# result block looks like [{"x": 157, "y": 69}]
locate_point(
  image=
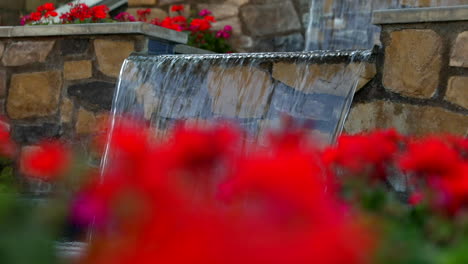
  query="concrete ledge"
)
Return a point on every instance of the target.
[
  {"x": 146, "y": 29},
  {"x": 420, "y": 15},
  {"x": 185, "y": 49}
]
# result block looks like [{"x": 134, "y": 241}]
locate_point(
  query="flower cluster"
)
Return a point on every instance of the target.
[
  {"x": 42, "y": 14},
  {"x": 79, "y": 13},
  {"x": 82, "y": 13},
  {"x": 197, "y": 199},
  {"x": 199, "y": 28}
]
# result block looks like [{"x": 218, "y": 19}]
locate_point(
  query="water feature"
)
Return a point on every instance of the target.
[
  {"x": 251, "y": 90},
  {"x": 347, "y": 24}
]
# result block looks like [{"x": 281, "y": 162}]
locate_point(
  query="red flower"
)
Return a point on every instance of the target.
[
  {"x": 7, "y": 146},
  {"x": 46, "y": 7},
  {"x": 199, "y": 24},
  {"x": 99, "y": 12},
  {"x": 177, "y": 8},
  {"x": 36, "y": 16},
  {"x": 46, "y": 161},
  {"x": 142, "y": 13},
  {"x": 430, "y": 157},
  {"x": 209, "y": 18},
  {"x": 364, "y": 153}
]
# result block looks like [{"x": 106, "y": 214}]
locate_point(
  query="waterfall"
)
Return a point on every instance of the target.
[
  {"x": 347, "y": 24},
  {"x": 253, "y": 91}
]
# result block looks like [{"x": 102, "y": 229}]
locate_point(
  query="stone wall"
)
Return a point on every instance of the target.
[
  {"x": 421, "y": 85},
  {"x": 259, "y": 25},
  {"x": 60, "y": 87}
]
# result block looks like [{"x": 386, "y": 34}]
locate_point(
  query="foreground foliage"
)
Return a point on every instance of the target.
[{"x": 197, "y": 197}]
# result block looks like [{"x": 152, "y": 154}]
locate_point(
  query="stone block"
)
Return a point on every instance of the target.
[
  {"x": 111, "y": 54},
  {"x": 155, "y": 13},
  {"x": 32, "y": 134},
  {"x": 77, "y": 70},
  {"x": 3, "y": 84},
  {"x": 221, "y": 11},
  {"x": 457, "y": 91},
  {"x": 34, "y": 94},
  {"x": 273, "y": 18},
  {"x": 289, "y": 43},
  {"x": 86, "y": 122},
  {"x": 27, "y": 52},
  {"x": 66, "y": 110},
  {"x": 31, "y": 5},
  {"x": 367, "y": 72},
  {"x": 331, "y": 79},
  {"x": 241, "y": 92},
  {"x": 142, "y": 2},
  {"x": 406, "y": 118},
  {"x": 459, "y": 53},
  {"x": 96, "y": 95},
  {"x": 413, "y": 62},
  {"x": 16, "y": 5},
  {"x": 237, "y": 2},
  {"x": 74, "y": 46},
  {"x": 2, "y": 48}
]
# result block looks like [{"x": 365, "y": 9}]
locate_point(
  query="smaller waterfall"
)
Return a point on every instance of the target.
[
  {"x": 347, "y": 24},
  {"x": 251, "y": 90}
]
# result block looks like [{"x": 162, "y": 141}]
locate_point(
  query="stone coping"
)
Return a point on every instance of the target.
[
  {"x": 95, "y": 29},
  {"x": 420, "y": 15},
  {"x": 185, "y": 49}
]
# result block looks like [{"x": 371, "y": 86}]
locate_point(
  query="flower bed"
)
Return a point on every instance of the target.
[
  {"x": 199, "y": 27},
  {"x": 195, "y": 197}
]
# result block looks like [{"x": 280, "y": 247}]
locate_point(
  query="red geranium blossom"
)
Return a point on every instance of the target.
[
  {"x": 46, "y": 161},
  {"x": 177, "y": 8}
]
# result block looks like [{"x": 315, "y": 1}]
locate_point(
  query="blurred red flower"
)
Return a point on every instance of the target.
[
  {"x": 177, "y": 8},
  {"x": 46, "y": 161}
]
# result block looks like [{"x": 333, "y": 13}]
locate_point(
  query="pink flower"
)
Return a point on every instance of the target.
[
  {"x": 228, "y": 28},
  {"x": 205, "y": 12}
]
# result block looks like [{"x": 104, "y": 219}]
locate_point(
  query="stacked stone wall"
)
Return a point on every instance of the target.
[
  {"x": 421, "y": 85},
  {"x": 60, "y": 87}
]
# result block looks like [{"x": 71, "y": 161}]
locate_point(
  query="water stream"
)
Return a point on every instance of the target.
[
  {"x": 253, "y": 90},
  {"x": 347, "y": 24}
]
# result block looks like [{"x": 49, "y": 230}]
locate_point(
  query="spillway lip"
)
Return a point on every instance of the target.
[{"x": 318, "y": 56}]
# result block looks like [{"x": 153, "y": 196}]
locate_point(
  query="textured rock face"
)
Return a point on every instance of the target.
[
  {"x": 368, "y": 73},
  {"x": 3, "y": 84},
  {"x": 408, "y": 119},
  {"x": 86, "y": 122},
  {"x": 110, "y": 55},
  {"x": 457, "y": 91},
  {"x": 34, "y": 94},
  {"x": 27, "y": 52},
  {"x": 333, "y": 79},
  {"x": 459, "y": 54},
  {"x": 270, "y": 18},
  {"x": 74, "y": 46},
  {"x": 32, "y": 134},
  {"x": 76, "y": 70},
  {"x": 239, "y": 91},
  {"x": 413, "y": 62},
  {"x": 221, "y": 11},
  {"x": 66, "y": 111},
  {"x": 96, "y": 95},
  {"x": 142, "y": 2},
  {"x": 2, "y": 48}
]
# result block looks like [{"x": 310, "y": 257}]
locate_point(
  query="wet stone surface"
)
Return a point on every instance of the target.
[{"x": 96, "y": 95}]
